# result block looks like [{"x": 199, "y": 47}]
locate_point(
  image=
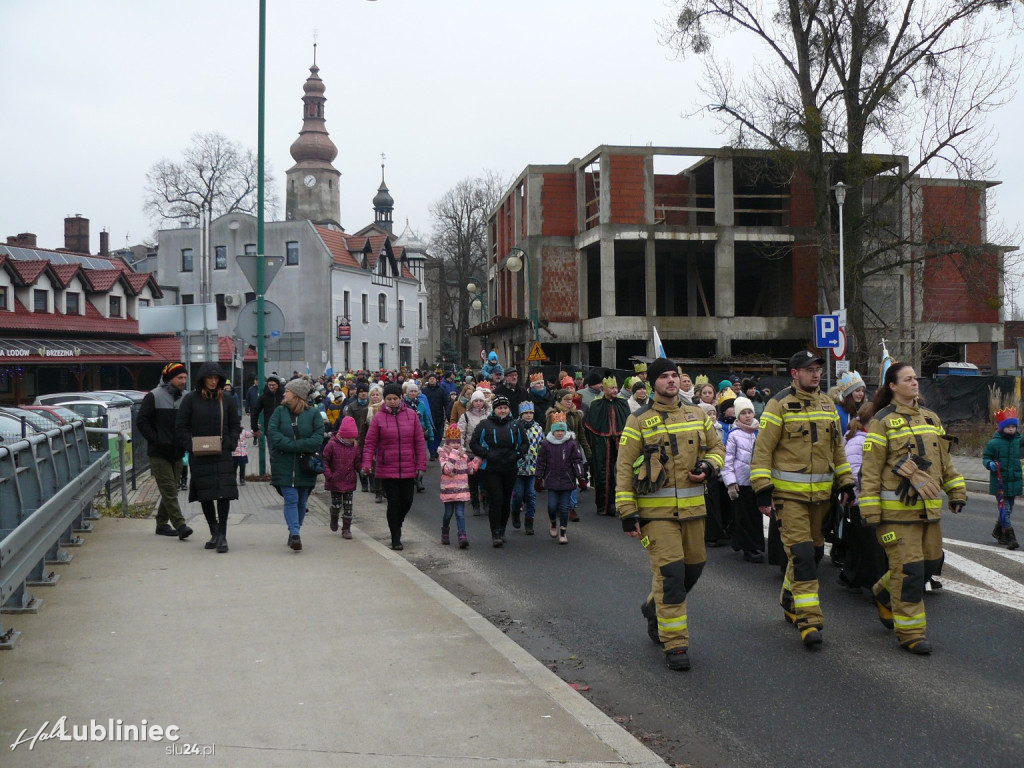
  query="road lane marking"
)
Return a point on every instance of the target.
[
  {"x": 996, "y": 582},
  {"x": 1010, "y": 601},
  {"x": 1016, "y": 555}
]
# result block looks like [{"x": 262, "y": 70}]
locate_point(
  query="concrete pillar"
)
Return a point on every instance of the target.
[
  {"x": 650, "y": 278},
  {"x": 607, "y": 352},
  {"x": 607, "y": 273},
  {"x": 725, "y": 256}
]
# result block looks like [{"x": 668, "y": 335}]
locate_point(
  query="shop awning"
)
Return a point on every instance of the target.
[{"x": 31, "y": 350}]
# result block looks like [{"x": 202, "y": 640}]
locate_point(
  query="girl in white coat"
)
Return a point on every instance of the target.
[{"x": 747, "y": 525}]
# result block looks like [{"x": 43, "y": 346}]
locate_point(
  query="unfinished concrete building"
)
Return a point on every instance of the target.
[{"x": 720, "y": 251}]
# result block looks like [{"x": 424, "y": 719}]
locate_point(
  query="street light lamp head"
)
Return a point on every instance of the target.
[
  {"x": 514, "y": 262},
  {"x": 477, "y": 304},
  {"x": 840, "y": 191},
  {"x": 472, "y": 287}
]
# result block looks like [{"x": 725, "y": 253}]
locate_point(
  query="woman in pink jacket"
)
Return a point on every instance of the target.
[{"x": 395, "y": 440}]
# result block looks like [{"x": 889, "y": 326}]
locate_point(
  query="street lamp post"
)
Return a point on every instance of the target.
[
  {"x": 477, "y": 288},
  {"x": 840, "y": 192},
  {"x": 514, "y": 264}
]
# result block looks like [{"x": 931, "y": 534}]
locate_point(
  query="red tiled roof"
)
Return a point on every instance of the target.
[
  {"x": 226, "y": 350},
  {"x": 348, "y": 249},
  {"x": 338, "y": 246},
  {"x": 101, "y": 279},
  {"x": 64, "y": 272},
  {"x": 92, "y": 322},
  {"x": 167, "y": 348},
  {"x": 29, "y": 271},
  {"x": 138, "y": 280}
]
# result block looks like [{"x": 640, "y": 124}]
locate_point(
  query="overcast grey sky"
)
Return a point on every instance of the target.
[{"x": 95, "y": 93}]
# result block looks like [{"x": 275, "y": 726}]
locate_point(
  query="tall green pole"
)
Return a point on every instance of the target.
[{"x": 260, "y": 197}]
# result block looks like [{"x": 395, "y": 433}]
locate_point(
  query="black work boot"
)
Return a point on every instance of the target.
[
  {"x": 165, "y": 529},
  {"x": 1011, "y": 539},
  {"x": 222, "y": 539},
  {"x": 650, "y": 612},
  {"x": 677, "y": 660}
]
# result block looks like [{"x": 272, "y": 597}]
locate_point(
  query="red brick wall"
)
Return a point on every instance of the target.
[
  {"x": 559, "y": 290},
  {"x": 801, "y": 201},
  {"x": 805, "y": 279},
  {"x": 671, "y": 191},
  {"x": 627, "y": 188},
  {"x": 951, "y": 214},
  {"x": 558, "y": 200}
]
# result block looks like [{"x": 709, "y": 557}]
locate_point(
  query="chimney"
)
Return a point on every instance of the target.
[
  {"x": 22, "y": 240},
  {"x": 104, "y": 243},
  {"x": 76, "y": 234}
]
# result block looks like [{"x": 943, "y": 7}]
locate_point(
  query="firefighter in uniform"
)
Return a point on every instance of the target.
[
  {"x": 666, "y": 453},
  {"x": 797, "y": 458},
  {"x": 906, "y": 468}
]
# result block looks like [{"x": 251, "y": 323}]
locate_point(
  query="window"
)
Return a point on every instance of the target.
[
  {"x": 421, "y": 315},
  {"x": 220, "y": 257},
  {"x": 382, "y": 350},
  {"x": 40, "y": 300},
  {"x": 291, "y": 253},
  {"x": 366, "y": 356},
  {"x": 222, "y": 310},
  {"x": 71, "y": 305},
  {"x": 143, "y": 302},
  {"x": 3, "y": 297},
  {"x": 115, "y": 306},
  {"x": 366, "y": 308},
  {"x": 250, "y": 296},
  {"x": 250, "y": 249},
  {"x": 401, "y": 313},
  {"x": 346, "y": 309},
  {"x": 348, "y": 355},
  {"x": 188, "y": 298},
  {"x": 186, "y": 259},
  {"x": 382, "y": 307}
]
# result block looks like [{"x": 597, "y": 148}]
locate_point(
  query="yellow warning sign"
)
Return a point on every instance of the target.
[{"x": 536, "y": 353}]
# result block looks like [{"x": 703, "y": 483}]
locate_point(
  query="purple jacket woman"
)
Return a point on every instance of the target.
[
  {"x": 396, "y": 441},
  {"x": 560, "y": 464}
]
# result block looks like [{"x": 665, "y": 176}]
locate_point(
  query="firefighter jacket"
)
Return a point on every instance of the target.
[
  {"x": 799, "y": 449},
  {"x": 687, "y": 436},
  {"x": 895, "y": 432}
]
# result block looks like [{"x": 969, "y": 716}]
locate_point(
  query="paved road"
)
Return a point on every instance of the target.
[{"x": 754, "y": 696}]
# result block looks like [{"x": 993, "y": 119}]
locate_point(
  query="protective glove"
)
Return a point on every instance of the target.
[
  {"x": 538, "y": 484},
  {"x": 847, "y": 495},
  {"x": 582, "y": 483},
  {"x": 914, "y": 470},
  {"x": 956, "y": 507},
  {"x": 734, "y": 491},
  {"x": 629, "y": 523},
  {"x": 764, "y": 501}
]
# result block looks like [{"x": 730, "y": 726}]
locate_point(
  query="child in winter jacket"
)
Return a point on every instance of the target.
[
  {"x": 1003, "y": 454},
  {"x": 455, "y": 471},
  {"x": 560, "y": 470},
  {"x": 341, "y": 466},
  {"x": 747, "y": 528},
  {"x": 524, "y": 496},
  {"x": 241, "y": 453}
]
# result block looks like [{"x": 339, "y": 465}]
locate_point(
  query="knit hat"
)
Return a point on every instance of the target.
[
  {"x": 562, "y": 393},
  {"x": 392, "y": 389},
  {"x": 610, "y": 381},
  {"x": 558, "y": 422},
  {"x": 499, "y": 401},
  {"x": 637, "y": 386},
  {"x": 1006, "y": 418},
  {"x": 348, "y": 428},
  {"x": 659, "y": 366},
  {"x": 299, "y": 387},
  {"x": 849, "y": 383},
  {"x": 452, "y": 432},
  {"x": 742, "y": 404},
  {"x": 477, "y": 395},
  {"x": 171, "y": 370},
  {"x": 709, "y": 409},
  {"x": 526, "y": 405},
  {"x": 724, "y": 384},
  {"x": 567, "y": 382}
]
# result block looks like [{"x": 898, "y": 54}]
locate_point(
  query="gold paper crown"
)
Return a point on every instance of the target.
[
  {"x": 452, "y": 432},
  {"x": 640, "y": 368},
  {"x": 610, "y": 381},
  {"x": 557, "y": 417},
  {"x": 700, "y": 381},
  {"x": 536, "y": 377}
]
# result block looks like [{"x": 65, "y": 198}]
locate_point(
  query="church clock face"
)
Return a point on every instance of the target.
[{"x": 309, "y": 181}]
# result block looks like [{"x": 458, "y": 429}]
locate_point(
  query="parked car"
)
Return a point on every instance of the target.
[
  {"x": 37, "y": 420},
  {"x": 14, "y": 428},
  {"x": 60, "y": 398},
  {"x": 58, "y": 414}
]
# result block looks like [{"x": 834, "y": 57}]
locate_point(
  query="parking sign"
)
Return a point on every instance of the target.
[{"x": 826, "y": 331}]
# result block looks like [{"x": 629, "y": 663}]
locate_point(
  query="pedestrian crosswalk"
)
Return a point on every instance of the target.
[{"x": 992, "y": 585}]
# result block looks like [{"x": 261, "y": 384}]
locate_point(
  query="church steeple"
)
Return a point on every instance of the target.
[
  {"x": 312, "y": 183},
  {"x": 383, "y": 203}
]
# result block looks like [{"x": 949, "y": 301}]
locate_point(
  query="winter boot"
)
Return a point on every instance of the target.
[
  {"x": 528, "y": 525},
  {"x": 677, "y": 660},
  {"x": 573, "y": 517},
  {"x": 211, "y": 520},
  {"x": 1011, "y": 539},
  {"x": 463, "y": 541},
  {"x": 650, "y": 613},
  {"x": 380, "y": 496},
  {"x": 445, "y": 539},
  {"x": 222, "y": 540},
  {"x": 998, "y": 534},
  {"x": 496, "y": 540},
  {"x": 346, "y": 526},
  {"x": 335, "y": 514}
]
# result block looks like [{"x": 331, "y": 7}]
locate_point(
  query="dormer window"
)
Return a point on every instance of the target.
[
  {"x": 40, "y": 300},
  {"x": 71, "y": 303},
  {"x": 3, "y": 298},
  {"x": 115, "y": 306}
]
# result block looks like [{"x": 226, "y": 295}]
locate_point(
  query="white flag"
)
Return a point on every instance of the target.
[{"x": 659, "y": 348}]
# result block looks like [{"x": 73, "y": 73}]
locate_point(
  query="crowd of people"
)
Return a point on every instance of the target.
[{"x": 683, "y": 462}]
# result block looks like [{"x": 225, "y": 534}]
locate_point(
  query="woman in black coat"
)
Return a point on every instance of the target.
[{"x": 209, "y": 410}]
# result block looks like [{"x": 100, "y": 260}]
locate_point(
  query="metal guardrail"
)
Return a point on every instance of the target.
[{"x": 47, "y": 484}]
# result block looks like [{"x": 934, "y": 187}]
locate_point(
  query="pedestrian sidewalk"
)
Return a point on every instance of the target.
[{"x": 340, "y": 655}]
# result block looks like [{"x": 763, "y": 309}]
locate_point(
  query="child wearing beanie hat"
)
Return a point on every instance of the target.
[
  {"x": 1002, "y": 459},
  {"x": 341, "y": 466},
  {"x": 560, "y": 471},
  {"x": 455, "y": 471},
  {"x": 524, "y": 495},
  {"x": 747, "y": 527}
]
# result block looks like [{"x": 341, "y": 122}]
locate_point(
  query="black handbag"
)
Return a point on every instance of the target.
[{"x": 310, "y": 463}]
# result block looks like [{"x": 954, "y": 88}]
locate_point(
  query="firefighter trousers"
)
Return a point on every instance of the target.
[
  {"x": 800, "y": 524},
  {"x": 915, "y": 555},
  {"x": 676, "y": 549}
]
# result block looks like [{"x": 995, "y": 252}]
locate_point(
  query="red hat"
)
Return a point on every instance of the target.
[
  {"x": 567, "y": 382},
  {"x": 348, "y": 429}
]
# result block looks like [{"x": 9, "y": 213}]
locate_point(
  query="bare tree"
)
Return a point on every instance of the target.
[
  {"x": 838, "y": 77},
  {"x": 460, "y": 241},
  {"x": 214, "y": 174}
]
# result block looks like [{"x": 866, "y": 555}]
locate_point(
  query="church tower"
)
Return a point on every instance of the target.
[
  {"x": 383, "y": 205},
  {"x": 313, "y": 183}
]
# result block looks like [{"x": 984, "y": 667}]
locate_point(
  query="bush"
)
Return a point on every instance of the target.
[
  {"x": 971, "y": 437},
  {"x": 108, "y": 508}
]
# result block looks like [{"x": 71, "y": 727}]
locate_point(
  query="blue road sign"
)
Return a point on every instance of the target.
[{"x": 826, "y": 331}]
